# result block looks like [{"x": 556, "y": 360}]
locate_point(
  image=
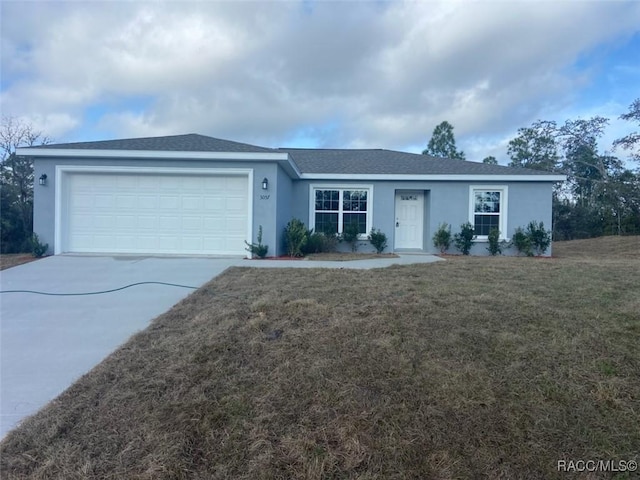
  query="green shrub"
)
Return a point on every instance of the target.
[
  {"x": 38, "y": 249},
  {"x": 295, "y": 237},
  {"x": 351, "y": 234},
  {"x": 539, "y": 237},
  {"x": 378, "y": 239},
  {"x": 464, "y": 239},
  {"x": 318, "y": 242},
  {"x": 522, "y": 242},
  {"x": 495, "y": 245},
  {"x": 442, "y": 237},
  {"x": 257, "y": 249}
]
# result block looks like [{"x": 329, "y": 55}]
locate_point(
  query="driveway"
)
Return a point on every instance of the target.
[{"x": 47, "y": 342}]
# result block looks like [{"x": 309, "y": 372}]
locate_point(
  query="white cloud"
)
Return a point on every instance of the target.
[{"x": 380, "y": 74}]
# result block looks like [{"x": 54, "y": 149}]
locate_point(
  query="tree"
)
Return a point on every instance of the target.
[
  {"x": 535, "y": 147},
  {"x": 16, "y": 184},
  {"x": 600, "y": 197},
  {"x": 443, "y": 143},
  {"x": 631, "y": 142},
  {"x": 582, "y": 163},
  {"x": 490, "y": 160}
]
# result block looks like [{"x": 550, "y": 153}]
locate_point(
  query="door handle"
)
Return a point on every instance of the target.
[{"x": 397, "y": 224}]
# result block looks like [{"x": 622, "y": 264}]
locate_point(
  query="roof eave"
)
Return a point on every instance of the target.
[
  {"x": 436, "y": 177},
  {"x": 283, "y": 158}
]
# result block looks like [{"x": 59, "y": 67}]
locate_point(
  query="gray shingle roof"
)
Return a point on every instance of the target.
[
  {"x": 389, "y": 162},
  {"x": 191, "y": 142},
  {"x": 309, "y": 160}
]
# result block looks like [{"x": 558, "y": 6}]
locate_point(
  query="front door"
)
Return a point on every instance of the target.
[{"x": 409, "y": 218}]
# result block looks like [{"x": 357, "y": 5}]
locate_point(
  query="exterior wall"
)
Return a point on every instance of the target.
[
  {"x": 443, "y": 202},
  {"x": 286, "y": 199},
  {"x": 264, "y": 210}
]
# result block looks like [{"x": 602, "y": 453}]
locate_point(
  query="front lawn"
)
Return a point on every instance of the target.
[{"x": 468, "y": 368}]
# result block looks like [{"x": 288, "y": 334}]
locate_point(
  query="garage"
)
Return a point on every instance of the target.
[{"x": 154, "y": 212}]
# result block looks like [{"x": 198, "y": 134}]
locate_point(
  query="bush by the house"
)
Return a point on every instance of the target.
[
  {"x": 38, "y": 249},
  {"x": 378, "y": 239},
  {"x": 534, "y": 240},
  {"x": 350, "y": 235},
  {"x": 495, "y": 245},
  {"x": 442, "y": 237},
  {"x": 522, "y": 242},
  {"x": 296, "y": 237},
  {"x": 464, "y": 239},
  {"x": 258, "y": 249},
  {"x": 539, "y": 236},
  {"x": 318, "y": 242}
]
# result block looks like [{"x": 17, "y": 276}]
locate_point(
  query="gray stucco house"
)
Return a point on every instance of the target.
[{"x": 193, "y": 194}]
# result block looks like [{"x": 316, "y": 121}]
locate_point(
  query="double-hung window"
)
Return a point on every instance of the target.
[
  {"x": 488, "y": 210},
  {"x": 334, "y": 208}
]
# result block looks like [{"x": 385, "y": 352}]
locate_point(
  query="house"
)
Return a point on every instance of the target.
[{"x": 193, "y": 194}]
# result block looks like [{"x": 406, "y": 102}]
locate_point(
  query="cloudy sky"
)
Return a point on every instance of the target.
[{"x": 307, "y": 73}]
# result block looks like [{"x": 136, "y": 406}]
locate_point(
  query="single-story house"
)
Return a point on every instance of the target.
[{"x": 194, "y": 194}]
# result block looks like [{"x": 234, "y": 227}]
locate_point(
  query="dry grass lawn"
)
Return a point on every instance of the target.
[{"x": 469, "y": 368}]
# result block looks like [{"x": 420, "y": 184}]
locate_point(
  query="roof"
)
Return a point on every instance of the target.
[
  {"x": 191, "y": 142},
  {"x": 309, "y": 162},
  {"x": 389, "y": 162}
]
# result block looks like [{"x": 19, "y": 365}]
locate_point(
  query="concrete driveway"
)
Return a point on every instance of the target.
[{"x": 47, "y": 342}]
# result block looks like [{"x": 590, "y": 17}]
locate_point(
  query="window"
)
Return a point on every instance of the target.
[
  {"x": 334, "y": 208},
  {"x": 488, "y": 210}
]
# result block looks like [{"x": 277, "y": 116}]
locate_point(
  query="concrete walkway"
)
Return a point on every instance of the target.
[
  {"x": 48, "y": 342},
  {"x": 404, "y": 259}
]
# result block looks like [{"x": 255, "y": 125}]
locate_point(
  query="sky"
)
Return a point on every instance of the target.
[{"x": 320, "y": 74}]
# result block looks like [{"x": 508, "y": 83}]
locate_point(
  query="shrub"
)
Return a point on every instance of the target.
[
  {"x": 295, "y": 237},
  {"x": 522, "y": 242},
  {"x": 318, "y": 242},
  {"x": 539, "y": 237},
  {"x": 378, "y": 239},
  {"x": 257, "y": 249},
  {"x": 38, "y": 249},
  {"x": 350, "y": 235},
  {"x": 442, "y": 237},
  {"x": 495, "y": 245},
  {"x": 464, "y": 239}
]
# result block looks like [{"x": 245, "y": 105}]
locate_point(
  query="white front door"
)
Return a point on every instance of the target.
[{"x": 409, "y": 218}]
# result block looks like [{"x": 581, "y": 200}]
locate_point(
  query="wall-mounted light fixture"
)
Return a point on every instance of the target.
[
  {"x": 43, "y": 179},
  {"x": 265, "y": 184}
]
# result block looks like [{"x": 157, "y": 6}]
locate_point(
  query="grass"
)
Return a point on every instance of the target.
[
  {"x": 469, "y": 368},
  {"x": 8, "y": 260}
]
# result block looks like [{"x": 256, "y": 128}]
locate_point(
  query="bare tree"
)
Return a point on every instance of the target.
[{"x": 16, "y": 182}]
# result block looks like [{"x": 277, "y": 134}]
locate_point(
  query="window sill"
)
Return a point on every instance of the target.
[{"x": 486, "y": 239}]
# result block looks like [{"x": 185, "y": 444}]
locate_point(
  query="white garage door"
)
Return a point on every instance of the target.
[{"x": 155, "y": 213}]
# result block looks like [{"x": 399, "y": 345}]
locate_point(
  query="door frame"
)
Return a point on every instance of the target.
[{"x": 397, "y": 201}]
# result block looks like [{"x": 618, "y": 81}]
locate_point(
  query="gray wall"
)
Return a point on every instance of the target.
[
  {"x": 283, "y": 210},
  {"x": 286, "y": 199},
  {"x": 444, "y": 202},
  {"x": 264, "y": 209}
]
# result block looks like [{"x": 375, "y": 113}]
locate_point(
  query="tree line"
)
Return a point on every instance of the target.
[
  {"x": 16, "y": 185},
  {"x": 601, "y": 195}
]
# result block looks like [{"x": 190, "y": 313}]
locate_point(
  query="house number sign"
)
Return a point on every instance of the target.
[
  {"x": 264, "y": 197},
  {"x": 409, "y": 197}
]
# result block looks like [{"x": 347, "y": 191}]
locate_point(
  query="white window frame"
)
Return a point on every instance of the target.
[
  {"x": 341, "y": 186},
  {"x": 504, "y": 201}
]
